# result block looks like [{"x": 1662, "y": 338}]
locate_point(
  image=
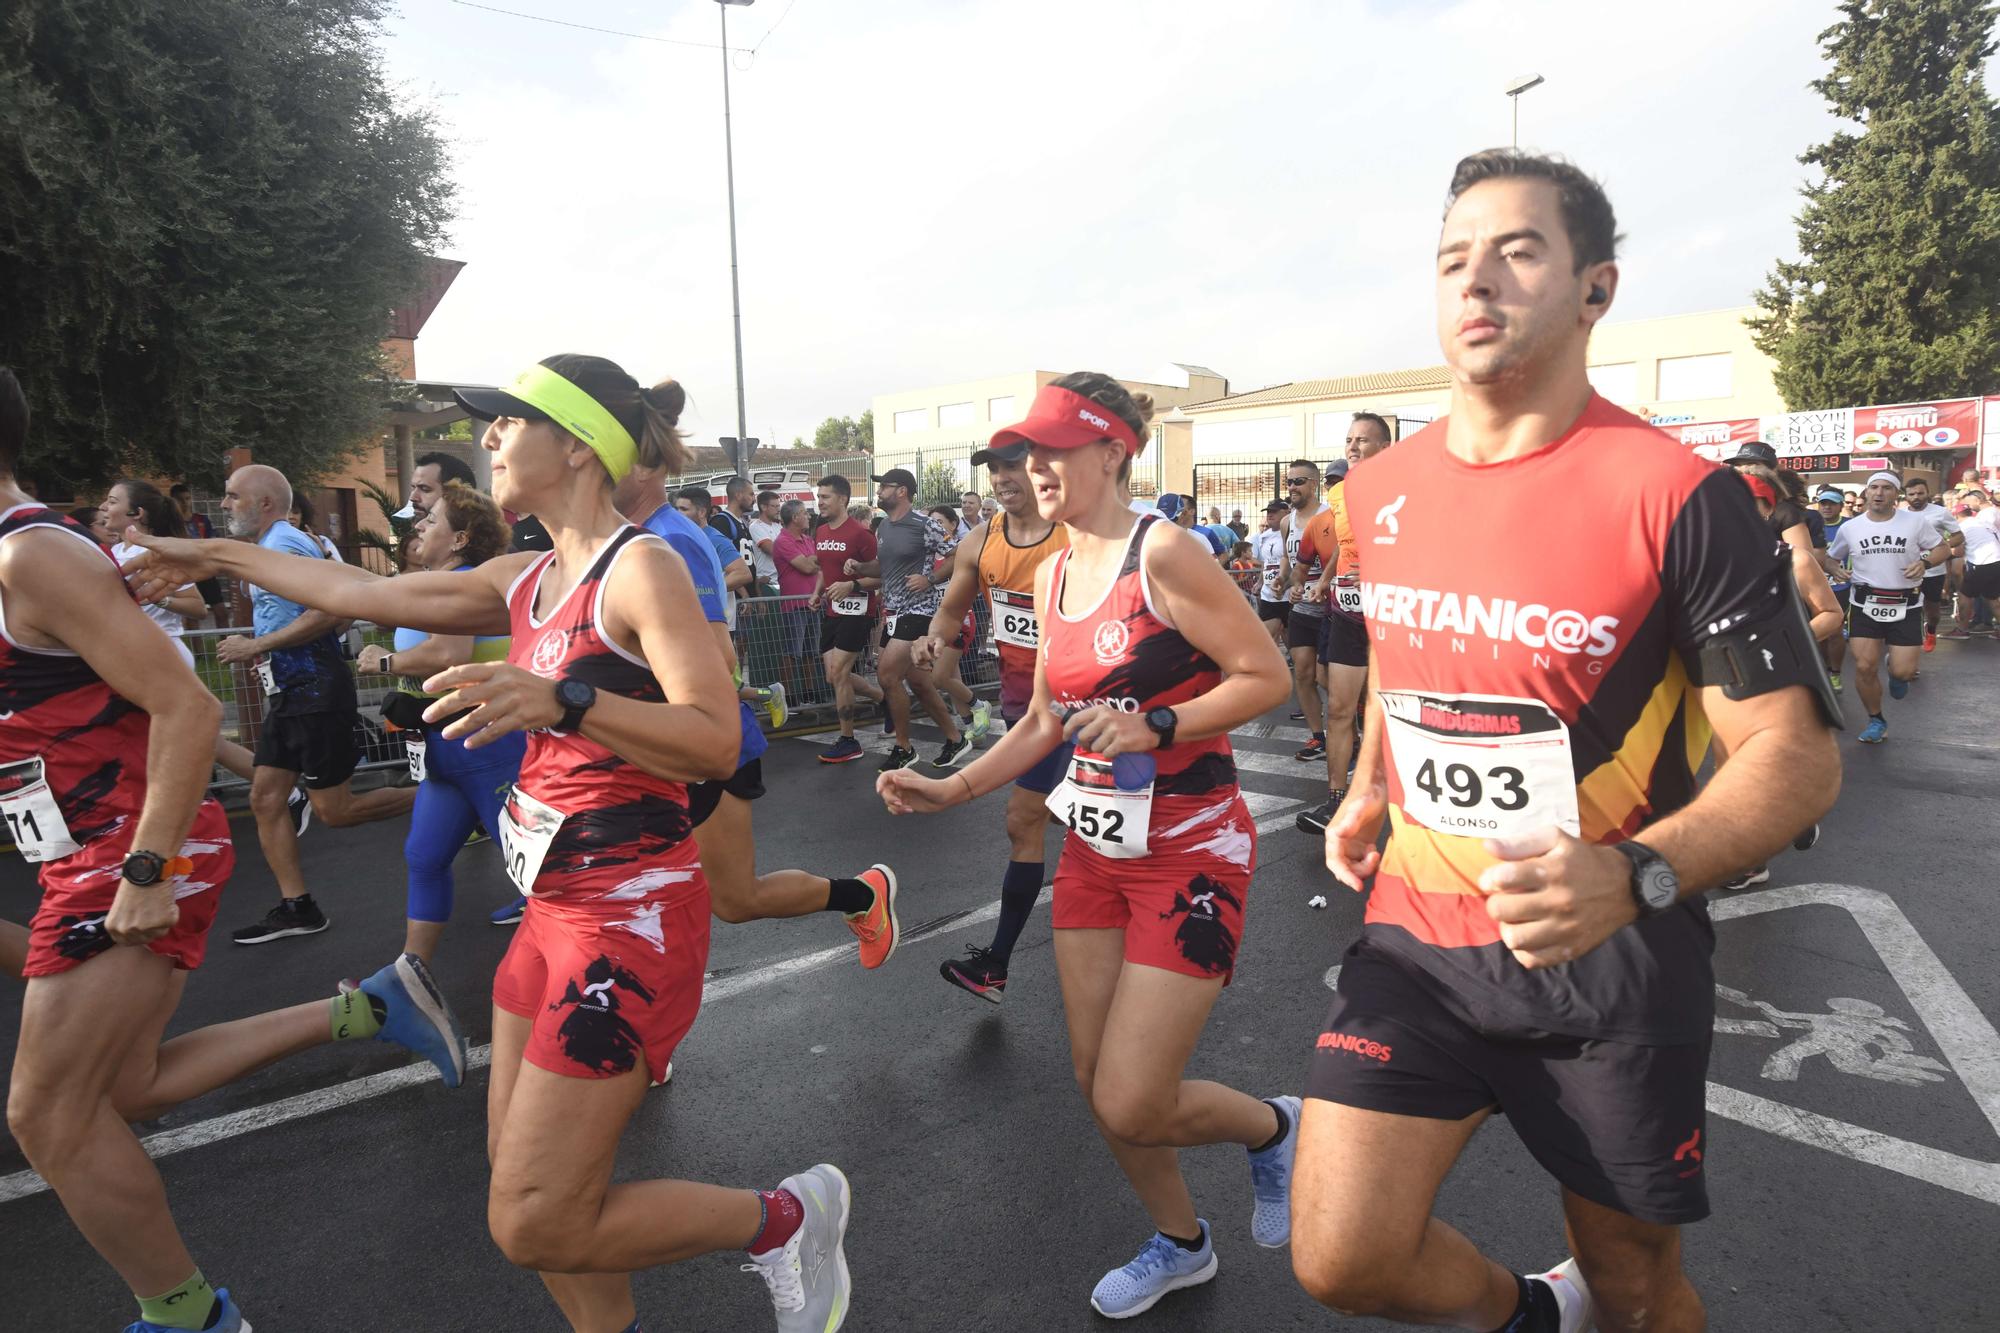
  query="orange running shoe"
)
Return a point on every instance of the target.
[
  {"x": 1930, "y": 642},
  {"x": 877, "y": 928}
]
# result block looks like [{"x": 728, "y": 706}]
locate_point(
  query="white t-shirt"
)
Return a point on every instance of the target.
[
  {"x": 1947, "y": 523},
  {"x": 1982, "y": 537},
  {"x": 1268, "y": 547},
  {"x": 1878, "y": 552},
  {"x": 766, "y": 570},
  {"x": 170, "y": 621},
  {"x": 1295, "y": 529}
]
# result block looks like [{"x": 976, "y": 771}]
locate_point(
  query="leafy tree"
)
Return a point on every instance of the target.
[
  {"x": 207, "y": 210},
  {"x": 1896, "y": 294},
  {"x": 846, "y": 435},
  {"x": 939, "y": 485}
]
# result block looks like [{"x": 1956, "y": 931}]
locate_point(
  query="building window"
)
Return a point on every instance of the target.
[
  {"x": 1688, "y": 377},
  {"x": 1001, "y": 410},
  {"x": 917, "y": 418},
  {"x": 1619, "y": 383},
  {"x": 955, "y": 414}
]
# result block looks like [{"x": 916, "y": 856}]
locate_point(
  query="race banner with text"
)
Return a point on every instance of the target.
[
  {"x": 1947, "y": 425},
  {"x": 1715, "y": 440}
]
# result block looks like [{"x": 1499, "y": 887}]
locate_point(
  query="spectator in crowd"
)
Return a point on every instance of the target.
[
  {"x": 1214, "y": 517},
  {"x": 796, "y": 559},
  {"x": 310, "y": 712},
  {"x": 302, "y": 517},
  {"x": 197, "y": 525},
  {"x": 1852, "y": 504},
  {"x": 428, "y": 476},
  {"x": 988, "y": 508},
  {"x": 968, "y": 516},
  {"x": 765, "y": 525},
  {"x": 1238, "y": 526},
  {"x": 91, "y": 519}
]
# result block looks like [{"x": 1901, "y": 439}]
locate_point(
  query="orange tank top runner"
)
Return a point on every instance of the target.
[{"x": 1007, "y": 576}]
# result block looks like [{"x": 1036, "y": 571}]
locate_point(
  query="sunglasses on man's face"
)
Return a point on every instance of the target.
[{"x": 1298, "y": 481}]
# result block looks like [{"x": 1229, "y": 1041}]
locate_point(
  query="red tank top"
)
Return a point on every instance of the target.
[
  {"x": 625, "y": 832},
  {"x": 1120, "y": 653},
  {"x": 91, "y": 741}
]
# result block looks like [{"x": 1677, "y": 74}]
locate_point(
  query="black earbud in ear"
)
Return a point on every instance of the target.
[{"x": 1598, "y": 296}]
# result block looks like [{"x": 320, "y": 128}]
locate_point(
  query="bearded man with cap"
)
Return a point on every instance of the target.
[{"x": 909, "y": 545}]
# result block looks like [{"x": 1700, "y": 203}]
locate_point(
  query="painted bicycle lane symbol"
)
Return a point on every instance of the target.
[{"x": 1860, "y": 1038}]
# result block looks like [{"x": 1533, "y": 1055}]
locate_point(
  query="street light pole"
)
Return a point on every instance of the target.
[
  {"x": 735, "y": 295},
  {"x": 1514, "y": 91}
]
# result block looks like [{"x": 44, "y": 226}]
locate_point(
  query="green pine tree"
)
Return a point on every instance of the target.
[
  {"x": 1896, "y": 294},
  {"x": 207, "y": 210}
]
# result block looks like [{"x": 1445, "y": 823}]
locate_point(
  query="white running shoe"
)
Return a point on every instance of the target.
[
  {"x": 1572, "y": 1296},
  {"x": 808, "y": 1277},
  {"x": 982, "y": 719}
]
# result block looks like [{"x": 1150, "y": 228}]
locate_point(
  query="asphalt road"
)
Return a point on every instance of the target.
[{"x": 1855, "y": 1184}]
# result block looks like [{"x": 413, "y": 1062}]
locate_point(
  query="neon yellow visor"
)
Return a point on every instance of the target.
[{"x": 539, "y": 394}]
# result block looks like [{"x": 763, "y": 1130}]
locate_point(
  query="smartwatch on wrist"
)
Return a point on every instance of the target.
[
  {"x": 1163, "y": 721},
  {"x": 1655, "y": 886},
  {"x": 576, "y": 697},
  {"x": 145, "y": 869}
]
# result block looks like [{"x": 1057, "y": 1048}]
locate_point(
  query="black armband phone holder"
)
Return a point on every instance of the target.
[{"x": 1753, "y": 657}]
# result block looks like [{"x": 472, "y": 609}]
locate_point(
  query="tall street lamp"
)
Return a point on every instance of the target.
[
  {"x": 1514, "y": 91},
  {"x": 735, "y": 297}
]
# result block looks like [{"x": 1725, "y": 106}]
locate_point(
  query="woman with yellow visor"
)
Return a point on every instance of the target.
[{"x": 626, "y": 700}]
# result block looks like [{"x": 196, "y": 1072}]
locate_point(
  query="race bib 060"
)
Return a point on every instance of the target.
[
  {"x": 1481, "y": 766},
  {"x": 34, "y": 820},
  {"x": 527, "y": 827},
  {"x": 1888, "y": 610},
  {"x": 1014, "y": 622},
  {"x": 1089, "y": 801}
]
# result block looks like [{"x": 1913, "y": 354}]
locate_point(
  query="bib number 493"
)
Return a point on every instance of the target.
[
  {"x": 1481, "y": 766},
  {"x": 1465, "y": 786}
]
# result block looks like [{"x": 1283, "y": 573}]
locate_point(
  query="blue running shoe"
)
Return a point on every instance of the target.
[
  {"x": 1898, "y": 689},
  {"x": 1160, "y": 1267},
  {"x": 843, "y": 751},
  {"x": 418, "y": 1018},
  {"x": 229, "y": 1321},
  {"x": 1271, "y": 1181},
  {"x": 511, "y": 914},
  {"x": 1875, "y": 732}
]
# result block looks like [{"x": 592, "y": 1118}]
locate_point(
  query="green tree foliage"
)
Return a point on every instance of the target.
[
  {"x": 846, "y": 435},
  {"x": 939, "y": 485},
  {"x": 207, "y": 210},
  {"x": 1896, "y": 294}
]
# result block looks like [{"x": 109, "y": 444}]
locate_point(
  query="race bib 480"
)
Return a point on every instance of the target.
[{"x": 1480, "y": 766}]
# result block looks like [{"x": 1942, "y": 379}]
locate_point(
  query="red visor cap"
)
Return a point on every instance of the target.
[
  {"x": 1760, "y": 488},
  {"x": 1065, "y": 419}
]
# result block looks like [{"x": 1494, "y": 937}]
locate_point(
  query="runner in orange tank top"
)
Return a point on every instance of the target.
[
  {"x": 1151, "y": 654},
  {"x": 999, "y": 560}
]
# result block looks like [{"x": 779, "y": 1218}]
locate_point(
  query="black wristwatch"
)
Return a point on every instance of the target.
[
  {"x": 1163, "y": 721},
  {"x": 576, "y": 697},
  {"x": 1655, "y": 886},
  {"x": 143, "y": 869}
]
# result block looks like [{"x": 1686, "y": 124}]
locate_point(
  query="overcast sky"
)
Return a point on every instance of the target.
[{"x": 936, "y": 190}]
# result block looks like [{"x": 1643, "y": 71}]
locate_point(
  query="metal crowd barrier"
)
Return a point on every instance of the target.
[{"x": 777, "y": 641}]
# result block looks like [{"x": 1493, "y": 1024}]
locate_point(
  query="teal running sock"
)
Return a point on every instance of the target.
[{"x": 190, "y": 1305}]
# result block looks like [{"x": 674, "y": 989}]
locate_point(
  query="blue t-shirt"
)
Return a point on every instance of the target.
[
  {"x": 311, "y": 677},
  {"x": 1219, "y": 538},
  {"x": 703, "y": 551}
]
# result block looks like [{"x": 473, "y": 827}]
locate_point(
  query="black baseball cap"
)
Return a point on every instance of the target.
[
  {"x": 1005, "y": 453},
  {"x": 1754, "y": 451},
  {"x": 896, "y": 476},
  {"x": 1277, "y": 507}
]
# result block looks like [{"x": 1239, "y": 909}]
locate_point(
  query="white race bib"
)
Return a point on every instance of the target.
[
  {"x": 414, "y": 746},
  {"x": 1887, "y": 610},
  {"x": 1115, "y": 823},
  {"x": 1347, "y": 594},
  {"x": 1481, "y": 766},
  {"x": 854, "y": 604},
  {"x": 527, "y": 827},
  {"x": 265, "y": 676},
  {"x": 1014, "y": 622},
  {"x": 33, "y": 818}
]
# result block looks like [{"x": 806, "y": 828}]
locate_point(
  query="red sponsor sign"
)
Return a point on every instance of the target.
[
  {"x": 1715, "y": 440},
  {"x": 1947, "y": 425}
]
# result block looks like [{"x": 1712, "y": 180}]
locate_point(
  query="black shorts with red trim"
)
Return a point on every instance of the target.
[{"x": 1622, "y": 1125}]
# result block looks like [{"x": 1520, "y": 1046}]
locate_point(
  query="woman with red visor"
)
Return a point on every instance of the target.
[
  {"x": 1149, "y": 657},
  {"x": 626, "y": 700}
]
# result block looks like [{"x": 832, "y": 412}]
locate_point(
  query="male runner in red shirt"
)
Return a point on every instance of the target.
[{"x": 1536, "y": 940}]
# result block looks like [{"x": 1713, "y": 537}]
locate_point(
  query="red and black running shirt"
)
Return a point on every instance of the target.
[
  {"x": 1119, "y": 653},
  {"x": 625, "y": 832},
  {"x": 91, "y": 740},
  {"x": 1569, "y": 591}
]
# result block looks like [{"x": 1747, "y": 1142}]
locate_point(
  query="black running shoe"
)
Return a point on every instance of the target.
[
  {"x": 899, "y": 756},
  {"x": 952, "y": 753},
  {"x": 1314, "y": 749},
  {"x": 1805, "y": 841},
  {"x": 292, "y": 916},
  {"x": 976, "y": 974},
  {"x": 1316, "y": 819},
  {"x": 1298, "y": 715},
  {"x": 1749, "y": 879}
]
